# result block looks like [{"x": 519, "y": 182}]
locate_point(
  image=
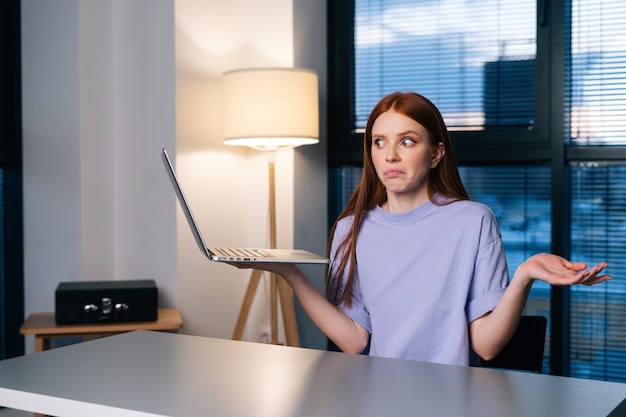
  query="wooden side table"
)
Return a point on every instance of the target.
[{"x": 43, "y": 326}]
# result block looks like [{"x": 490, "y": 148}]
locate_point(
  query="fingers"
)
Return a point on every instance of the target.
[
  {"x": 596, "y": 269},
  {"x": 577, "y": 276},
  {"x": 597, "y": 280},
  {"x": 591, "y": 277},
  {"x": 577, "y": 266}
]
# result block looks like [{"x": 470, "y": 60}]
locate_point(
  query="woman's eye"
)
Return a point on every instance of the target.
[
  {"x": 408, "y": 142},
  {"x": 378, "y": 143}
]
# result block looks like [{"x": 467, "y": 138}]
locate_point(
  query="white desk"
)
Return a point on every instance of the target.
[{"x": 147, "y": 373}]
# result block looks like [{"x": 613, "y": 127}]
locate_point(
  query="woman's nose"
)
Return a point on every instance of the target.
[{"x": 392, "y": 154}]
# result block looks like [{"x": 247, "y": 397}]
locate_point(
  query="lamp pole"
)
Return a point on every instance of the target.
[
  {"x": 279, "y": 289},
  {"x": 272, "y": 223}
]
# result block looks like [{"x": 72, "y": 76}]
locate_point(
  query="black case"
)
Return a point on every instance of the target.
[{"x": 106, "y": 301}]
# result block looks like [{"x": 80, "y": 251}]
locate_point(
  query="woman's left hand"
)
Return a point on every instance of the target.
[{"x": 559, "y": 271}]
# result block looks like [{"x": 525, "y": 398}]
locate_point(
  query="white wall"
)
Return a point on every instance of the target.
[
  {"x": 98, "y": 104},
  {"x": 243, "y": 34},
  {"x": 107, "y": 84}
]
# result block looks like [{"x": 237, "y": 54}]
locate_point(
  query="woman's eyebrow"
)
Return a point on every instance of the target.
[{"x": 403, "y": 133}]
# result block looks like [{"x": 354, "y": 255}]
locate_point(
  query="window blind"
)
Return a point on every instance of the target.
[
  {"x": 597, "y": 82},
  {"x": 598, "y": 313},
  {"x": 474, "y": 60}
]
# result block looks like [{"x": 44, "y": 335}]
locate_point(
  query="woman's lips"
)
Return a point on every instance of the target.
[{"x": 393, "y": 172}]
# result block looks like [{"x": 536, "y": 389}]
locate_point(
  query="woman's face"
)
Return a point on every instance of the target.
[{"x": 403, "y": 155}]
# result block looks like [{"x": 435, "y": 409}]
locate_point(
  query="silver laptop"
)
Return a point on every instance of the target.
[{"x": 297, "y": 256}]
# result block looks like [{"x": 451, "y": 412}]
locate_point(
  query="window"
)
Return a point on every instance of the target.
[
  {"x": 534, "y": 93},
  {"x": 464, "y": 61}
]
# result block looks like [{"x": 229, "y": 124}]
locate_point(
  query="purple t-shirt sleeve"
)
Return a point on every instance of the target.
[
  {"x": 490, "y": 280},
  {"x": 357, "y": 311}
]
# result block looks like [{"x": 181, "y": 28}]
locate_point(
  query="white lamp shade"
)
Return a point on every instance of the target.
[{"x": 271, "y": 108}]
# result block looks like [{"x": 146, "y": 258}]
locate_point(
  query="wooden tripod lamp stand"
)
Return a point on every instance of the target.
[{"x": 271, "y": 109}]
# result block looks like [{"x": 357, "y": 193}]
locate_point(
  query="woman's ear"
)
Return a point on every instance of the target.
[{"x": 439, "y": 152}]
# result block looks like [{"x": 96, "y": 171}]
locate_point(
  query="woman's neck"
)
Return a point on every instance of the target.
[{"x": 399, "y": 203}]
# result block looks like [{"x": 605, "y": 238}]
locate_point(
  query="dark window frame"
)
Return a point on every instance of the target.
[{"x": 12, "y": 268}]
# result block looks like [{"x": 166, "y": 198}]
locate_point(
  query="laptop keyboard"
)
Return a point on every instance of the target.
[{"x": 240, "y": 252}]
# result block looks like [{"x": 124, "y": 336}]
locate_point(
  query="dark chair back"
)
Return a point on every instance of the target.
[{"x": 524, "y": 351}]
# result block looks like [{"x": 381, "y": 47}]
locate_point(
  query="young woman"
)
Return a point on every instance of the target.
[{"x": 416, "y": 267}]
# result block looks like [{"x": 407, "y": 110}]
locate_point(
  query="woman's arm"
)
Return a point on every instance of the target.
[
  {"x": 491, "y": 332},
  {"x": 349, "y": 336}
]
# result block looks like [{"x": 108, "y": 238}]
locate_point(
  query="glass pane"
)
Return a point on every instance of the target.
[
  {"x": 597, "y": 84},
  {"x": 474, "y": 59},
  {"x": 598, "y": 313}
]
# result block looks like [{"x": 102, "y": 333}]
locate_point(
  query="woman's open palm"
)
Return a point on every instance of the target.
[{"x": 559, "y": 271}]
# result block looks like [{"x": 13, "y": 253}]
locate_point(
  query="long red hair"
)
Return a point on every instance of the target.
[{"x": 444, "y": 179}]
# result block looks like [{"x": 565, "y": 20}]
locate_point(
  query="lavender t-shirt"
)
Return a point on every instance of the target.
[{"x": 422, "y": 276}]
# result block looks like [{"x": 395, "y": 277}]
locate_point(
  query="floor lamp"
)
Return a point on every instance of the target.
[{"x": 271, "y": 109}]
